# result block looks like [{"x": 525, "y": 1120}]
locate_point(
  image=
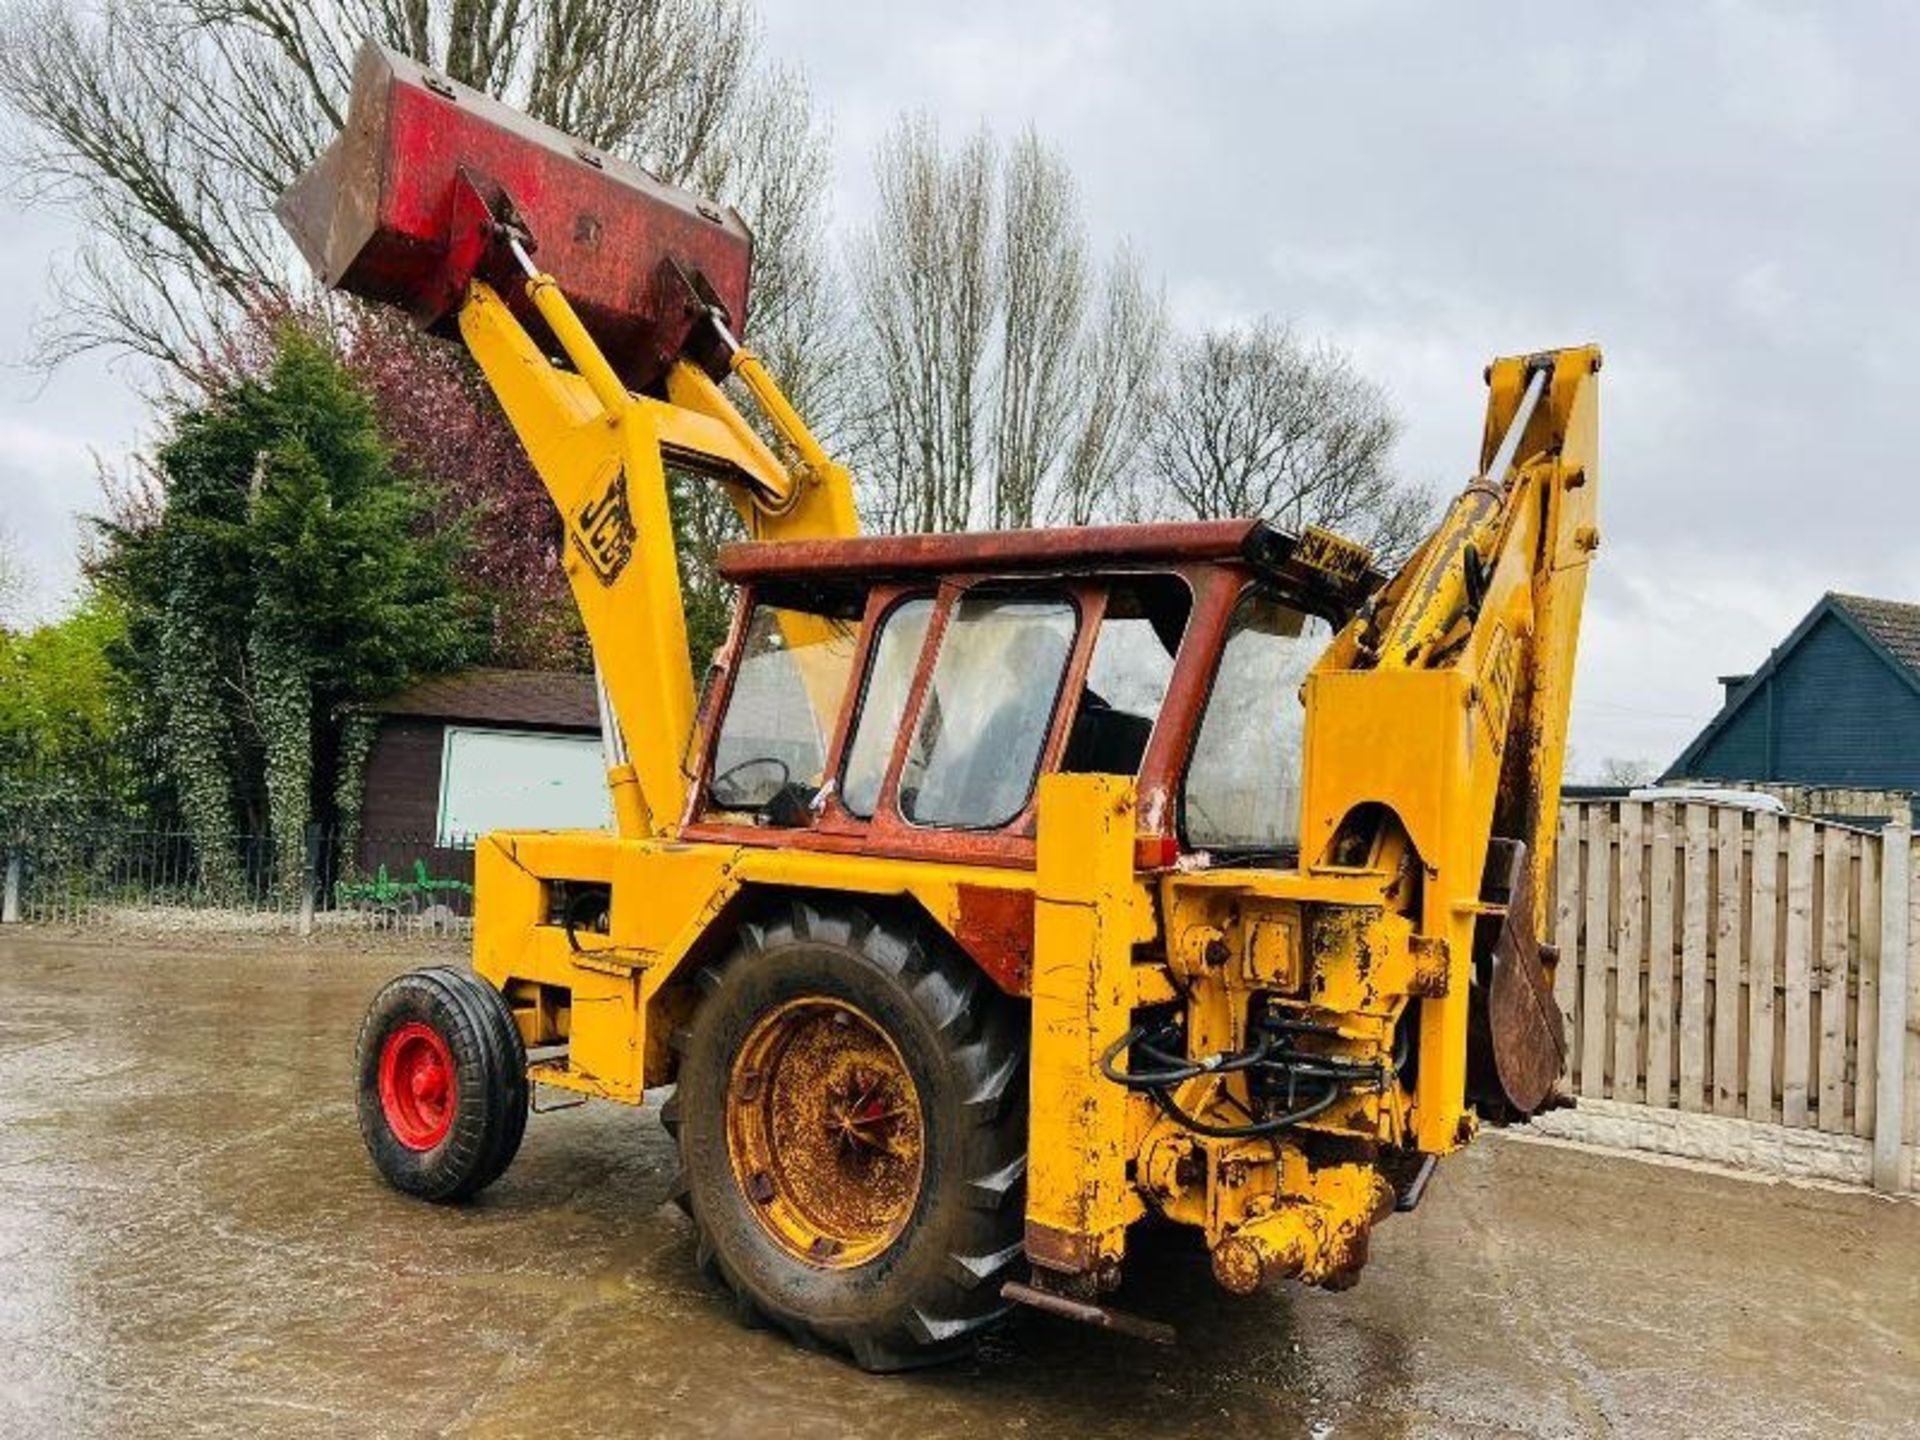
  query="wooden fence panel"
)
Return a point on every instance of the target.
[
  {"x": 1660, "y": 916},
  {"x": 1729, "y": 958},
  {"x": 1596, "y": 953},
  {"x": 1762, "y": 973},
  {"x": 1696, "y": 876},
  {"x": 1566, "y": 918},
  {"x": 1867, "y": 1016},
  {"x": 1797, "y": 1035},
  {"x": 1835, "y": 878},
  {"x": 1734, "y": 962},
  {"x": 1629, "y": 950},
  {"x": 1912, "y": 1058},
  {"x": 1726, "y": 961}
]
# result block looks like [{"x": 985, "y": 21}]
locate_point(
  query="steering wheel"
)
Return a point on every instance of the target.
[{"x": 721, "y": 780}]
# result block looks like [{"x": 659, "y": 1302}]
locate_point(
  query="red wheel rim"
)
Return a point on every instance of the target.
[{"x": 417, "y": 1091}]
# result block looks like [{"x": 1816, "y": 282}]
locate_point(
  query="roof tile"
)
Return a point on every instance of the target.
[
  {"x": 1894, "y": 623},
  {"x": 544, "y": 699}
]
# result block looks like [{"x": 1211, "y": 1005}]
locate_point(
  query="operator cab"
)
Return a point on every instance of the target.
[{"x": 903, "y": 695}]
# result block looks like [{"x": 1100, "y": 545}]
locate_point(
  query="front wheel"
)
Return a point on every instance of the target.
[
  {"x": 442, "y": 1084},
  {"x": 852, "y": 1130}
]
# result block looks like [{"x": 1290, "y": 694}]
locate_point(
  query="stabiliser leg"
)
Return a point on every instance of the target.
[{"x": 1079, "y": 1202}]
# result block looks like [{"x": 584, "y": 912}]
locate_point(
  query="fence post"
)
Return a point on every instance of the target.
[
  {"x": 309, "y": 879},
  {"x": 10, "y": 900},
  {"x": 1889, "y": 1119}
]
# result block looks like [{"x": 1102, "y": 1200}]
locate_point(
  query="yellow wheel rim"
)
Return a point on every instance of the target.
[{"x": 824, "y": 1132}]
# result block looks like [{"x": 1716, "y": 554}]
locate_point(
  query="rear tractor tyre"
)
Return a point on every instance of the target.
[
  {"x": 442, "y": 1084},
  {"x": 851, "y": 1119}
]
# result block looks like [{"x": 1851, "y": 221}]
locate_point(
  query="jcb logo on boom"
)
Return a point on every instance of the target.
[{"x": 604, "y": 529}]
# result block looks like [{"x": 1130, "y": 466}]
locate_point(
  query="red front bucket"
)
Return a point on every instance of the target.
[{"x": 375, "y": 215}]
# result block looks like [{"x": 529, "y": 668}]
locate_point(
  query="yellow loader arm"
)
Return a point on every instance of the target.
[{"x": 602, "y": 453}]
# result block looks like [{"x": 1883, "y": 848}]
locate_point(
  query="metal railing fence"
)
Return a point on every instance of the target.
[{"x": 316, "y": 881}]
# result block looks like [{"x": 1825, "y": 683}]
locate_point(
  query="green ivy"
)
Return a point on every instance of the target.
[
  {"x": 357, "y": 730},
  {"x": 294, "y": 574}
]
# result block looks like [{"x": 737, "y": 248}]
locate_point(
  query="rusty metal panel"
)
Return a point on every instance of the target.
[
  {"x": 1255, "y": 547},
  {"x": 376, "y": 216},
  {"x": 1080, "y": 548},
  {"x": 995, "y": 927},
  {"x": 1271, "y": 954}
]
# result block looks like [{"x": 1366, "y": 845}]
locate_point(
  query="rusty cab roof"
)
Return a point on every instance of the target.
[{"x": 830, "y": 570}]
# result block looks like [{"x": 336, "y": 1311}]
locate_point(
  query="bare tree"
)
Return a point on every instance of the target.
[
  {"x": 169, "y": 126},
  {"x": 1627, "y": 771},
  {"x": 926, "y": 291},
  {"x": 1006, "y": 379},
  {"x": 1043, "y": 264},
  {"x": 985, "y": 355},
  {"x": 1254, "y": 422},
  {"x": 1119, "y": 364}
]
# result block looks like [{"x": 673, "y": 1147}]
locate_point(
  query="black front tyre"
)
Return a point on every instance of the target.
[
  {"x": 851, "y": 1118},
  {"x": 442, "y": 1084}
]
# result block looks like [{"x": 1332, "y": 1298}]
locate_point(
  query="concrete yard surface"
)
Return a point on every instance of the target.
[{"x": 192, "y": 1242}]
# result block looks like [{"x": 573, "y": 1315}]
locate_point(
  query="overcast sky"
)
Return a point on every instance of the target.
[{"x": 1723, "y": 196}]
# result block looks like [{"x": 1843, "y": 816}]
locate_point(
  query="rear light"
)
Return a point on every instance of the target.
[{"x": 1155, "y": 852}]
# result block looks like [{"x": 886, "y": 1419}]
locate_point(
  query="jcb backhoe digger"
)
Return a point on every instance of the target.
[{"x": 997, "y": 892}]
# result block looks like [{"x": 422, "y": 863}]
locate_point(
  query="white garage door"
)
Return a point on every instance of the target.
[{"x": 520, "y": 780}]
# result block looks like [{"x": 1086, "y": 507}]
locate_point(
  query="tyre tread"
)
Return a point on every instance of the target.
[
  {"x": 984, "y": 1047},
  {"x": 493, "y": 1083}
]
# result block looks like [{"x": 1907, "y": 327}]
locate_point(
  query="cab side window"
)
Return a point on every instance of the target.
[
  {"x": 1128, "y": 677},
  {"x": 896, "y": 654},
  {"x": 976, "y": 744},
  {"x": 1242, "y": 793},
  {"x": 794, "y": 671}
]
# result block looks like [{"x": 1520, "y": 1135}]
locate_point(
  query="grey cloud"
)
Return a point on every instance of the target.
[{"x": 1722, "y": 195}]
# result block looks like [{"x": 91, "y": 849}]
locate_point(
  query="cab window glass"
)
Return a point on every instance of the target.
[
  {"x": 977, "y": 741},
  {"x": 1127, "y": 679},
  {"x": 1243, "y": 781},
  {"x": 896, "y": 653},
  {"x": 794, "y": 670}
]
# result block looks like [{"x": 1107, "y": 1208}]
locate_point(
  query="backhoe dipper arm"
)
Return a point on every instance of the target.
[
  {"x": 1517, "y": 535},
  {"x": 1445, "y": 707},
  {"x": 602, "y": 453}
]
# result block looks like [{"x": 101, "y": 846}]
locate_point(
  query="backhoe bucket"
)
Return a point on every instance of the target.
[
  {"x": 388, "y": 213},
  {"x": 1516, "y": 1040}
]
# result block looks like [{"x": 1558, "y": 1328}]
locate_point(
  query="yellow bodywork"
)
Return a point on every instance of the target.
[
  {"x": 1427, "y": 715},
  {"x": 602, "y": 454}
]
